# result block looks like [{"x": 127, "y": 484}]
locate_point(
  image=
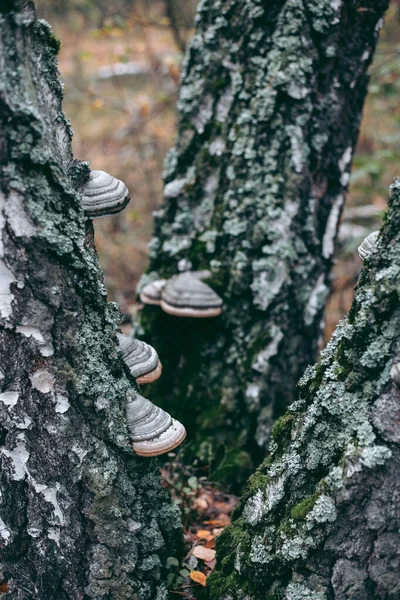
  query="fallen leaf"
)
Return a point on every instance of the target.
[
  {"x": 198, "y": 577},
  {"x": 211, "y": 564},
  {"x": 224, "y": 507},
  {"x": 219, "y": 522},
  {"x": 217, "y": 530},
  {"x": 204, "y": 553},
  {"x": 210, "y": 544},
  {"x": 204, "y": 534},
  {"x": 200, "y": 504}
]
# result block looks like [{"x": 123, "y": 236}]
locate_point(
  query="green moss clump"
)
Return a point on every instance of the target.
[
  {"x": 236, "y": 466},
  {"x": 299, "y": 512},
  {"x": 341, "y": 373},
  {"x": 282, "y": 428},
  {"x": 227, "y": 543},
  {"x": 218, "y": 584}
]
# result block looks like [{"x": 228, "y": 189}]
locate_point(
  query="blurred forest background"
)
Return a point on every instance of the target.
[{"x": 120, "y": 61}]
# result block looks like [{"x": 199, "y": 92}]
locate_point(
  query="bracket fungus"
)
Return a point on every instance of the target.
[
  {"x": 141, "y": 358},
  {"x": 185, "y": 295},
  {"x": 367, "y": 245},
  {"x": 184, "y": 265},
  {"x": 151, "y": 293},
  {"x": 395, "y": 373},
  {"x": 104, "y": 195},
  {"x": 152, "y": 430}
]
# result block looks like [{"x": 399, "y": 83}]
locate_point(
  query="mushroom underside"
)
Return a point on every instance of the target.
[
  {"x": 151, "y": 375},
  {"x": 166, "y": 442},
  {"x": 190, "y": 311}
]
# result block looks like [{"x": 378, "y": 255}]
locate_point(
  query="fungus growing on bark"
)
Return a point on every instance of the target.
[
  {"x": 395, "y": 373},
  {"x": 366, "y": 247},
  {"x": 151, "y": 293},
  {"x": 185, "y": 295},
  {"x": 141, "y": 358},
  {"x": 152, "y": 430},
  {"x": 104, "y": 195},
  {"x": 184, "y": 265}
]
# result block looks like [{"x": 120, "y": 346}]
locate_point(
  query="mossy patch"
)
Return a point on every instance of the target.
[
  {"x": 300, "y": 510},
  {"x": 282, "y": 428}
]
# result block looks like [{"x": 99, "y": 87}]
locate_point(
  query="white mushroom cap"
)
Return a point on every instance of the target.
[
  {"x": 152, "y": 430},
  {"x": 184, "y": 265},
  {"x": 104, "y": 195},
  {"x": 395, "y": 373},
  {"x": 141, "y": 358},
  {"x": 151, "y": 293},
  {"x": 367, "y": 245},
  {"x": 185, "y": 295}
]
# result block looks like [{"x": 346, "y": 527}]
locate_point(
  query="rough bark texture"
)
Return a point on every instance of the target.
[
  {"x": 320, "y": 519},
  {"x": 269, "y": 111},
  {"x": 81, "y": 515}
]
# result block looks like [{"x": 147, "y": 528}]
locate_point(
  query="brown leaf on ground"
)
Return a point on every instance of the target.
[
  {"x": 225, "y": 507},
  {"x": 210, "y": 544},
  {"x": 198, "y": 577},
  {"x": 200, "y": 503},
  {"x": 206, "y": 554},
  {"x": 221, "y": 521},
  {"x": 204, "y": 534},
  {"x": 211, "y": 564}
]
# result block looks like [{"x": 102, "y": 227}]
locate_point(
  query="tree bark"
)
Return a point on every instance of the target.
[
  {"x": 320, "y": 518},
  {"x": 81, "y": 516},
  {"x": 269, "y": 112}
]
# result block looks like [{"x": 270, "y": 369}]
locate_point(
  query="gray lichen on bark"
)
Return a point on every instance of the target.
[
  {"x": 81, "y": 515},
  {"x": 269, "y": 111},
  {"x": 320, "y": 518}
]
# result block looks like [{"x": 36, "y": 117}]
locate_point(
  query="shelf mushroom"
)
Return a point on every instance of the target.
[
  {"x": 152, "y": 430},
  {"x": 367, "y": 245},
  {"x": 104, "y": 195},
  {"x": 151, "y": 293},
  {"x": 141, "y": 358},
  {"x": 185, "y": 295},
  {"x": 395, "y": 373}
]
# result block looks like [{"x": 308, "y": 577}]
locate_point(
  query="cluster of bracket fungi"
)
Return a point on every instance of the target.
[
  {"x": 183, "y": 295},
  {"x": 152, "y": 430}
]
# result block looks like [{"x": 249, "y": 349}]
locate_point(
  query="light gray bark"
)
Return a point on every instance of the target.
[
  {"x": 80, "y": 515},
  {"x": 269, "y": 112},
  {"x": 320, "y": 518}
]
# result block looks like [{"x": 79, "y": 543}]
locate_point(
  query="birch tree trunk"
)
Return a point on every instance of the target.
[
  {"x": 269, "y": 112},
  {"x": 80, "y": 515},
  {"x": 320, "y": 518}
]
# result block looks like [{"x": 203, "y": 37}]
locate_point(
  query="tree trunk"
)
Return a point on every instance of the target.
[
  {"x": 320, "y": 518},
  {"x": 81, "y": 516},
  {"x": 269, "y": 112}
]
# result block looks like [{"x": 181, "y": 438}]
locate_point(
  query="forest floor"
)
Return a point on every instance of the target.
[{"x": 206, "y": 510}]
